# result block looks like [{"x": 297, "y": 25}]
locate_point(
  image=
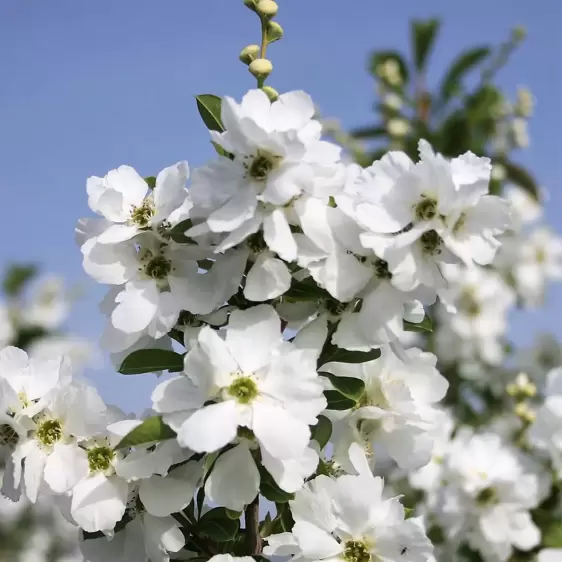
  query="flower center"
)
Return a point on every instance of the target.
[
  {"x": 431, "y": 243},
  {"x": 468, "y": 304},
  {"x": 426, "y": 209},
  {"x": 381, "y": 269},
  {"x": 262, "y": 164},
  {"x": 487, "y": 497},
  {"x": 158, "y": 268},
  {"x": 356, "y": 551},
  {"x": 540, "y": 255},
  {"x": 8, "y": 435},
  {"x": 243, "y": 390},
  {"x": 100, "y": 458},
  {"x": 142, "y": 214},
  {"x": 49, "y": 432}
]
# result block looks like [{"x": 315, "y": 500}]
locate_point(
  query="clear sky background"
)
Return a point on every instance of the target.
[{"x": 86, "y": 86}]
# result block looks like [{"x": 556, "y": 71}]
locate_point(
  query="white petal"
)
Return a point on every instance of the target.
[
  {"x": 137, "y": 307},
  {"x": 282, "y": 434},
  {"x": 210, "y": 428},
  {"x": 98, "y": 502},
  {"x": 65, "y": 467},
  {"x": 170, "y": 192},
  {"x": 278, "y": 236},
  {"x": 253, "y": 335},
  {"x": 33, "y": 471},
  {"x": 234, "y": 480},
  {"x": 117, "y": 233},
  {"x": 314, "y": 542},
  {"x": 163, "y": 495},
  {"x": 267, "y": 279},
  {"x": 237, "y": 210},
  {"x": 177, "y": 394}
]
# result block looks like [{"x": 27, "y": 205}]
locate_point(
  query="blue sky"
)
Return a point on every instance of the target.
[{"x": 87, "y": 86}]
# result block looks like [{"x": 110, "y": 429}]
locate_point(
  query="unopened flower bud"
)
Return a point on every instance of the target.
[
  {"x": 267, "y": 8},
  {"x": 523, "y": 411},
  {"x": 519, "y": 33},
  {"x": 271, "y": 93},
  {"x": 249, "y": 53},
  {"x": 274, "y": 31},
  {"x": 261, "y": 68},
  {"x": 251, "y": 4}
]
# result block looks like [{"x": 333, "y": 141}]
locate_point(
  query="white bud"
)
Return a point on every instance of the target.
[
  {"x": 519, "y": 132},
  {"x": 398, "y": 127},
  {"x": 525, "y": 102},
  {"x": 498, "y": 172},
  {"x": 261, "y": 68},
  {"x": 392, "y": 100},
  {"x": 249, "y": 53},
  {"x": 267, "y": 8}
]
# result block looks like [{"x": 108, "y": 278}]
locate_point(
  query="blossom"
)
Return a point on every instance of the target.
[
  {"x": 395, "y": 413},
  {"x": 121, "y": 198},
  {"x": 348, "y": 520},
  {"x": 279, "y": 164}
]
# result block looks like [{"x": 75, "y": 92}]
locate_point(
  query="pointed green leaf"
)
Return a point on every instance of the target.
[
  {"x": 217, "y": 525},
  {"x": 337, "y": 401},
  {"x": 463, "y": 64},
  {"x": 177, "y": 233},
  {"x": 16, "y": 279},
  {"x": 151, "y": 181},
  {"x": 149, "y": 431},
  {"x": 369, "y": 132},
  {"x": 221, "y": 151},
  {"x": 424, "y": 326},
  {"x": 424, "y": 34},
  {"x": 322, "y": 431},
  {"x": 151, "y": 361},
  {"x": 332, "y": 353},
  {"x": 350, "y": 387},
  {"x": 209, "y": 107}
]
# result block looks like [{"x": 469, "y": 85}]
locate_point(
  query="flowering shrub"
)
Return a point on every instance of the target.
[{"x": 277, "y": 292}]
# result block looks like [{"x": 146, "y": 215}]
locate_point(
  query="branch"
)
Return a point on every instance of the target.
[{"x": 252, "y": 518}]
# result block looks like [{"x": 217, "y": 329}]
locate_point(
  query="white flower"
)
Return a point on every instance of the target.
[
  {"x": 48, "y": 306},
  {"x": 256, "y": 380},
  {"x": 347, "y": 520},
  {"x": 417, "y": 216},
  {"x": 550, "y": 555},
  {"x": 489, "y": 492},
  {"x": 143, "y": 538},
  {"x": 546, "y": 431},
  {"x": 121, "y": 198},
  {"x": 279, "y": 164},
  {"x": 525, "y": 209},
  {"x": 395, "y": 413}
]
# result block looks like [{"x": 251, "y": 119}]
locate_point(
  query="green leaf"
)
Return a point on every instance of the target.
[
  {"x": 217, "y": 525},
  {"x": 231, "y": 514},
  {"x": 463, "y": 64},
  {"x": 552, "y": 537},
  {"x": 151, "y": 181},
  {"x": 150, "y": 361},
  {"x": 209, "y": 107},
  {"x": 379, "y": 57},
  {"x": 424, "y": 326},
  {"x": 322, "y": 431},
  {"x": 150, "y": 430},
  {"x": 270, "y": 490},
  {"x": 16, "y": 279},
  {"x": 424, "y": 34},
  {"x": 350, "y": 387},
  {"x": 455, "y": 135},
  {"x": 369, "y": 132},
  {"x": 221, "y": 151},
  {"x": 521, "y": 177},
  {"x": 177, "y": 233},
  {"x": 337, "y": 401},
  {"x": 330, "y": 353}
]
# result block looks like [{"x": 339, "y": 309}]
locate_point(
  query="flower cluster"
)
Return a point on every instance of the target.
[{"x": 274, "y": 285}]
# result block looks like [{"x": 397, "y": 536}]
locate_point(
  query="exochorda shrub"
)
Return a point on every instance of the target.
[{"x": 276, "y": 291}]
